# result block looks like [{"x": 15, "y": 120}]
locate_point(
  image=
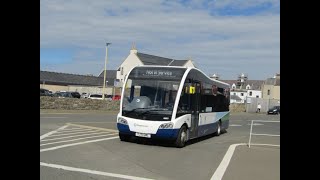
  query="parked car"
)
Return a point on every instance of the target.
[
  {"x": 98, "y": 96},
  {"x": 116, "y": 97},
  {"x": 75, "y": 94},
  {"x": 45, "y": 92},
  {"x": 63, "y": 94},
  {"x": 84, "y": 95},
  {"x": 274, "y": 110},
  {"x": 108, "y": 97}
]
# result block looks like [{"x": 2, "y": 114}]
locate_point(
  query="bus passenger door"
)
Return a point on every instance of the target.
[{"x": 195, "y": 109}]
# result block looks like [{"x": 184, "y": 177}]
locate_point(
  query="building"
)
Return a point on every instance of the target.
[
  {"x": 271, "y": 88},
  {"x": 136, "y": 58},
  {"x": 242, "y": 89},
  {"x": 56, "y": 81}
]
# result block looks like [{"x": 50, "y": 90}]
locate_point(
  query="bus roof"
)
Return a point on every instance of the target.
[{"x": 180, "y": 67}]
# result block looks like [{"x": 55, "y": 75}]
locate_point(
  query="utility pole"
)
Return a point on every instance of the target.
[{"x": 105, "y": 72}]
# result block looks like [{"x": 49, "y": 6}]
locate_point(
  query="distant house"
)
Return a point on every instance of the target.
[
  {"x": 138, "y": 59},
  {"x": 271, "y": 88},
  {"x": 244, "y": 90},
  {"x": 56, "y": 81}
]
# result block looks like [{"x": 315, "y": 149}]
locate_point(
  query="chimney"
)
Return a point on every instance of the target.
[{"x": 133, "y": 49}]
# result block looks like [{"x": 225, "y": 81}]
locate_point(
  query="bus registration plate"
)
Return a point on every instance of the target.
[{"x": 143, "y": 135}]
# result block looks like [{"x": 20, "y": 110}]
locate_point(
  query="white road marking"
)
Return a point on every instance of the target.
[
  {"x": 74, "y": 136},
  {"x": 72, "y": 133},
  {"x": 49, "y": 133},
  {"x": 63, "y": 113},
  {"x": 68, "y": 168},
  {"x": 76, "y": 139},
  {"x": 255, "y": 124},
  {"x": 218, "y": 174},
  {"x": 74, "y": 144},
  {"x": 91, "y": 127},
  {"x": 235, "y": 125},
  {"x": 55, "y": 117},
  {"x": 71, "y": 129},
  {"x": 95, "y": 122}
]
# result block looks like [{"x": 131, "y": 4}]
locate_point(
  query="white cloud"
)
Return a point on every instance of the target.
[{"x": 163, "y": 28}]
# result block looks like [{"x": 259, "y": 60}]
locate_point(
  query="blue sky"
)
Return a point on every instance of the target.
[{"x": 227, "y": 37}]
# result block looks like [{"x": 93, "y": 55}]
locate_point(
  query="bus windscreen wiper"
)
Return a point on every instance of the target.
[{"x": 133, "y": 110}]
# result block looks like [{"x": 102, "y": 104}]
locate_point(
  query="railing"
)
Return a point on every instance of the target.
[{"x": 255, "y": 134}]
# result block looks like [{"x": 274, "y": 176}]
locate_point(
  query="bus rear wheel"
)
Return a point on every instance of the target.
[
  {"x": 218, "y": 132},
  {"x": 182, "y": 137}
]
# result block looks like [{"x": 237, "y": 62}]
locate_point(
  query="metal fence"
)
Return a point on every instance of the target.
[{"x": 251, "y": 106}]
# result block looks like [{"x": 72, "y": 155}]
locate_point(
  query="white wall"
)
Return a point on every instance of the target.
[
  {"x": 232, "y": 101},
  {"x": 238, "y": 93},
  {"x": 131, "y": 61},
  {"x": 188, "y": 64},
  {"x": 90, "y": 89},
  {"x": 255, "y": 93}
]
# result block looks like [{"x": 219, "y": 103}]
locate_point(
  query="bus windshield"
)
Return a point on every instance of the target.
[{"x": 149, "y": 99}]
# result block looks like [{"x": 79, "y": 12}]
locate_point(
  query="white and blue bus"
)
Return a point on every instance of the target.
[{"x": 172, "y": 103}]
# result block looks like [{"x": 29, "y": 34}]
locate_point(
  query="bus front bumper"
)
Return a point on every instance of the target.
[{"x": 169, "y": 134}]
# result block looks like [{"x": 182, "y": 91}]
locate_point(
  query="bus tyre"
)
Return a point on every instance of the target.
[
  {"x": 124, "y": 137},
  {"x": 182, "y": 137},
  {"x": 218, "y": 132}
]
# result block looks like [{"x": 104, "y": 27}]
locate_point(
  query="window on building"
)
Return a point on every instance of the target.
[
  {"x": 241, "y": 94},
  {"x": 257, "y": 96},
  {"x": 250, "y": 93},
  {"x": 268, "y": 92},
  {"x": 121, "y": 70},
  {"x": 234, "y": 93}
]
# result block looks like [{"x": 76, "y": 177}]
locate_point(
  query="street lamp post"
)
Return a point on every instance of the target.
[{"x": 105, "y": 72}]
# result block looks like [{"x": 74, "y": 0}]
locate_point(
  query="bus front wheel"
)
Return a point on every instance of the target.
[
  {"x": 182, "y": 137},
  {"x": 124, "y": 137}
]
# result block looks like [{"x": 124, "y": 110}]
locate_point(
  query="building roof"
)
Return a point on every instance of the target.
[
  {"x": 148, "y": 59},
  {"x": 255, "y": 84},
  {"x": 111, "y": 74},
  {"x": 272, "y": 81},
  {"x": 57, "y": 78}
]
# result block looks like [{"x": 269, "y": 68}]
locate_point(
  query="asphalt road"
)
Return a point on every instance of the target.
[{"x": 87, "y": 147}]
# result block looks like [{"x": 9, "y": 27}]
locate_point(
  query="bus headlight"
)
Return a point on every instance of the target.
[
  {"x": 122, "y": 121},
  {"x": 166, "y": 126}
]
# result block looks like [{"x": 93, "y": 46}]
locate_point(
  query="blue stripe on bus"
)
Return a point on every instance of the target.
[
  {"x": 167, "y": 133},
  {"x": 211, "y": 128},
  {"x": 207, "y": 129},
  {"x": 161, "y": 133}
]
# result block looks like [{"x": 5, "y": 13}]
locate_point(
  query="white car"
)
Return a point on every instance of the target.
[{"x": 98, "y": 96}]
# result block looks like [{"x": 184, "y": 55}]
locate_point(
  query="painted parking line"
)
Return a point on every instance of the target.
[
  {"x": 63, "y": 113},
  {"x": 218, "y": 174},
  {"x": 73, "y": 133},
  {"x": 74, "y": 144},
  {"x": 66, "y": 137},
  {"x": 255, "y": 124},
  {"x": 49, "y": 133},
  {"x": 68, "y": 168},
  {"x": 91, "y": 127},
  {"x": 235, "y": 125},
  {"x": 59, "y": 136},
  {"x": 76, "y": 139},
  {"x": 54, "y": 117}
]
